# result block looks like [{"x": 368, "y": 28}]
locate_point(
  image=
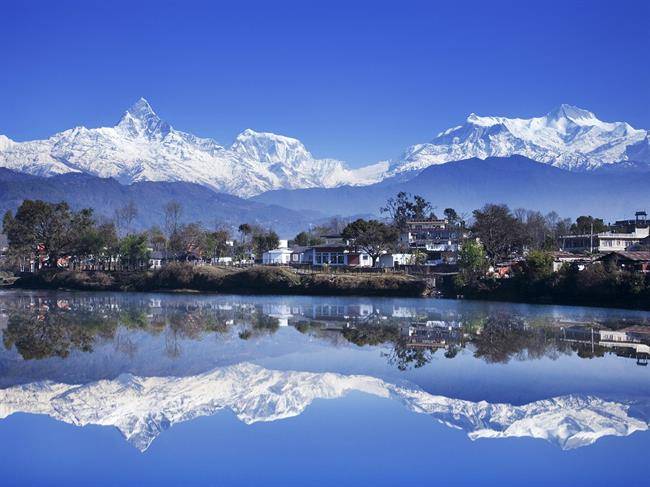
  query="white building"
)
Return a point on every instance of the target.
[
  {"x": 623, "y": 235},
  {"x": 392, "y": 260},
  {"x": 281, "y": 255}
]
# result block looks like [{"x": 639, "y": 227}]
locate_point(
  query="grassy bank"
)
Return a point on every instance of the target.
[{"x": 253, "y": 280}]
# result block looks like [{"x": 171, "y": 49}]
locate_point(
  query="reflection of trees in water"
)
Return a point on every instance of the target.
[
  {"x": 44, "y": 333},
  {"x": 50, "y": 328},
  {"x": 405, "y": 357},
  {"x": 41, "y": 327},
  {"x": 502, "y": 338}
]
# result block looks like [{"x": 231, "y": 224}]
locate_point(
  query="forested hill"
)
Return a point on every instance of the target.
[{"x": 105, "y": 196}]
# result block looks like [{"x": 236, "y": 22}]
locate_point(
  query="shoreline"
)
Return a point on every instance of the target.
[
  {"x": 261, "y": 280},
  {"x": 255, "y": 280}
]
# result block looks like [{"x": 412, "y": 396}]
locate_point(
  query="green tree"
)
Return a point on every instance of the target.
[
  {"x": 498, "y": 230},
  {"x": 472, "y": 263},
  {"x": 50, "y": 228},
  {"x": 538, "y": 265},
  {"x": 264, "y": 241},
  {"x": 306, "y": 239},
  {"x": 585, "y": 224},
  {"x": 134, "y": 250},
  {"x": 372, "y": 236}
]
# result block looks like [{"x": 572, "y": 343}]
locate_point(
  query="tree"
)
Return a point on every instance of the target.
[
  {"x": 306, "y": 239},
  {"x": 587, "y": 225},
  {"x": 133, "y": 249},
  {"x": 125, "y": 216},
  {"x": 372, "y": 236},
  {"x": 453, "y": 217},
  {"x": 173, "y": 211},
  {"x": 245, "y": 229},
  {"x": 405, "y": 207},
  {"x": 157, "y": 239},
  {"x": 216, "y": 243},
  {"x": 472, "y": 263},
  {"x": 498, "y": 230},
  {"x": 50, "y": 229},
  {"x": 265, "y": 241},
  {"x": 188, "y": 238},
  {"x": 538, "y": 265}
]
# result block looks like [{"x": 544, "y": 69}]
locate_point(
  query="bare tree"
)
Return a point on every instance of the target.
[
  {"x": 125, "y": 216},
  {"x": 173, "y": 211}
]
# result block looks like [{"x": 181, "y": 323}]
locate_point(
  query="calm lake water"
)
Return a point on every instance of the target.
[{"x": 167, "y": 389}]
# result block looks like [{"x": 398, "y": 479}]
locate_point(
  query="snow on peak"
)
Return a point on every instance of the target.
[
  {"x": 141, "y": 120},
  {"x": 568, "y": 137},
  {"x": 143, "y": 147},
  {"x": 143, "y": 407},
  {"x": 572, "y": 113}
]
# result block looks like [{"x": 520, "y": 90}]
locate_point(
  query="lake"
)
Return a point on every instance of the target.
[{"x": 191, "y": 389}]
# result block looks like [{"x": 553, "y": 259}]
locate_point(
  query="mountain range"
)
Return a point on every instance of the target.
[
  {"x": 466, "y": 185},
  {"x": 141, "y": 408},
  {"x": 106, "y": 195},
  {"x": 143, "y": 147}
]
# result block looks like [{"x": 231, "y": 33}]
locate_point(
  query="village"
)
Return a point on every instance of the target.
[{"x": 425, "y": 245}]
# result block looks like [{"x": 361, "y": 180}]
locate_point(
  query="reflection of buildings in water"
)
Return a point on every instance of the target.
[
  {"x": 632, "y": 342},
  {"x": 432, "y": 334}
]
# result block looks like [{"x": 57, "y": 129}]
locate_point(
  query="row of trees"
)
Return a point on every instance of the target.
[{"x": 47, "y": 232}]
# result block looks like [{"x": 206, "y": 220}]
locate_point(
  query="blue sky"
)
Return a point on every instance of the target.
[{"x": 358, "y": 81}]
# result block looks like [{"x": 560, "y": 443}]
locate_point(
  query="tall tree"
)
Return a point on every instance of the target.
[
  {"x": 125, "y": 216},
  {"x": 50, "y": 229},
  {"x": 587, "y": 224},
  {"x": 498, "y": 230},
  {"x": 372, "y": 236},
  {"x": 264, "y": 241},
  {"x": 173, "y": 211},
  {"x": 405, "y": 207}
]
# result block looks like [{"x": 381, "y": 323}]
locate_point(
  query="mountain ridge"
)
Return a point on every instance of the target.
[
  {"x": 143, "y": 147},
  {"x": 469, "y": 184},
  {"x": 141, "y": 408}
]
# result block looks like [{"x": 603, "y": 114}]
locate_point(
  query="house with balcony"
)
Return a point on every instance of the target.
[{"x": 439, "y": 239}]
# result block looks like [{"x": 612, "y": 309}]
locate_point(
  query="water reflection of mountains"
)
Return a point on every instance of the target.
[{"x": 42, "y": 326}]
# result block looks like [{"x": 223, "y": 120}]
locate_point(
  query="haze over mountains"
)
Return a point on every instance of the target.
[{"x": 566, "y": 160}]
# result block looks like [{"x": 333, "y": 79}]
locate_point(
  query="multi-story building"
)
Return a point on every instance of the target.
[
  {"x": 440, "y": 240},
  {"x": 622, "y": 235}
]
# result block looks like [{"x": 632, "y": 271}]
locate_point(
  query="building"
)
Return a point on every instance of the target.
[
  {"x": 623, "y": 235},
  {"x": 279, "y": 256},
  {"x": 631, "y": 260},
  {"x": 393, "y": 260},
  {"x": 339, "y": 255},
  {"x": 440, "y": 240},
  {"x": 560, "y": 258}
]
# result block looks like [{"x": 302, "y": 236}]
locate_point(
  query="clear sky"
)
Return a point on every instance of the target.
[{"x": 357, "y": 81}]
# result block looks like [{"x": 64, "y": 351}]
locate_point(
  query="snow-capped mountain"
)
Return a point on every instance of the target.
[
  {"x": 142, "y": 147},
  {"x": 567, "y": 137},
  {"x": 143, "y": 407}
]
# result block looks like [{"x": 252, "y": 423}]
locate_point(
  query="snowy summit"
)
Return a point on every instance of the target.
[{"x": 143, "y": 147}]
